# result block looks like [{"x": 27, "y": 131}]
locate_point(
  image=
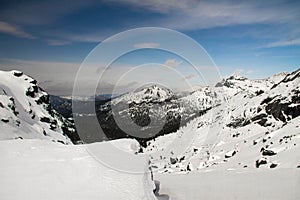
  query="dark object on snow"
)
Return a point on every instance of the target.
[
  {"x": 60, "y": 141},
  {"x": 260, "y": 162},
  {"x": 173, "y": 161},
  {"x": 273, "y": 165},
  {"x": 266, "y": 152},
  {"x": 5, "y": 120},
  {"x": 230, "y": 155},
  {"x": 18, "y": 73}
]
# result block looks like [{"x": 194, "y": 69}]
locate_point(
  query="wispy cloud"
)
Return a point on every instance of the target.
[
  {"x": 284, "y": 43},
  {"x": 179, "y": 15},
  {"x": 237, "y": 72},
  {"x": 146, "y": 45},
  {"x": 33, "y": 12},
  {"x": 58, "y": 42},
  {"x": 194, "y": 14},
  {"x": 14, "y": 30},
  {"x": 172, "y": 62}
]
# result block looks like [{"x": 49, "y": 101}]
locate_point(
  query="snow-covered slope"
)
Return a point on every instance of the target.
[
  {"x": 43, "y": 170},
  {"x": 25, "y": 111},
  {"x": 251, "y": 124},
  {"x": 153, "y": 93}
]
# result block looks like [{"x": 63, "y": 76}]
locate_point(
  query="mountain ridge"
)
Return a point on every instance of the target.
[{"x": 27, "y": 113}]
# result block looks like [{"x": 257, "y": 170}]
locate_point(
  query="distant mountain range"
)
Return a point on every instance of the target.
[
  {"x": 236, "y": 112},
  {"x": 253, "y": 124}
]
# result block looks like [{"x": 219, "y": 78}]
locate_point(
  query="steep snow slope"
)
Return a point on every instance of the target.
[
  {"x": 39, "y": 169},
  {"x": 254, "y": 124},
  {"x": 25, "y": 111}
]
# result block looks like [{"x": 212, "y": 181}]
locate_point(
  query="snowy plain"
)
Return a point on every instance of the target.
[{"x": 36, "y": 169}]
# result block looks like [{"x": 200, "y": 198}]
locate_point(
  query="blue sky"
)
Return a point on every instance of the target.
[{"x": 255, "y": 38}]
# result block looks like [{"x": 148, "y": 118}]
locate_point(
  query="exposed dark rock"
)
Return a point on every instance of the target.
[
  {"x": 188, "y": 168},
  {"x": 45, "y": 119},
  {"x": 5, "y": 120},
  {"x": 273, "y": 165},
  {"x": 181, "y": 159},
  {"x": 230, "y": 155},
  {"x": 53, "y": 127},
  {"x": 173, "y": 161},
  {"x": 267, "y": 152},
  {"x": 31, "y": 91},
  {"x": 60, "y": 141},
  {"x": 34, "y": 82},
  {"x": 17, "y": 73},
  {"x": 219, "y": 84},
  {"x": 260, "y": 162},
  {"x": 239, "y": 122},
  {"x": 264, "y": 140},
  {"x": 259, "y": 92},
  {"x": 290, "y": 77},
  {"x": 261, "y": 119},
  {"x": 18, "y": 122},
  {"x": 266, "y": 101},
  {"x": 259, "y": 109},
  {"x": 43, "y": 99},
  {"x": 280, "y": 110},
  {"x": 69, "y": 129}
]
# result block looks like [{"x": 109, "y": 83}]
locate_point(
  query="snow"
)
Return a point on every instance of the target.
[
  {"x": 36, "y": 164},
  {"x": 237, "y": 184},
  {"x": 147, "y": 94},
  {"x": 229, "y": 152},
  {"x": 245, "y": 160},
  {"x": 222, "y": 146},
  {"x": 23, "y": 112},
  {"x": 39, "y": 169}
]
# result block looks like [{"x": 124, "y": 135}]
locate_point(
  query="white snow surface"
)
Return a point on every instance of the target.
[
  {"x": 25, "y": 122},
  {"x": 245, "y": 161},
  {"x": 152, "y": 93},
  {"x": 213, "y": 144},
  {"x": 36, "y": 165},
  {"x": 281, "y": 184},
  {"x": 35, "y": 169}
]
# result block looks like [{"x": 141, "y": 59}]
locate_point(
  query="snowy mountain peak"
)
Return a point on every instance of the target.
[
  {"x": 151, "y": 93},
  {"x": 289, "y": 77},
  {"x": 257, "y": 126},
  {"x": 27, "y": 113}
]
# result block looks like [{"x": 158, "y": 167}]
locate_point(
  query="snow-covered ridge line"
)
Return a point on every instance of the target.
[
  {"x": 26, "y": 111},
  {"x": 255, "y": 125}
]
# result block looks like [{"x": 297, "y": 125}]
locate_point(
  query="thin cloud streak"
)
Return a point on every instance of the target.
[
  {"x": 58, "y": 42},
  {"x": 14, "y": 30},
  {"x": 172, "y": 63},
  {"x": 192, "y": 14},
  {"x": 179, "y": 15},
  {"x": 146, "y": 45},
  {"x": 284, "y": 43}
]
